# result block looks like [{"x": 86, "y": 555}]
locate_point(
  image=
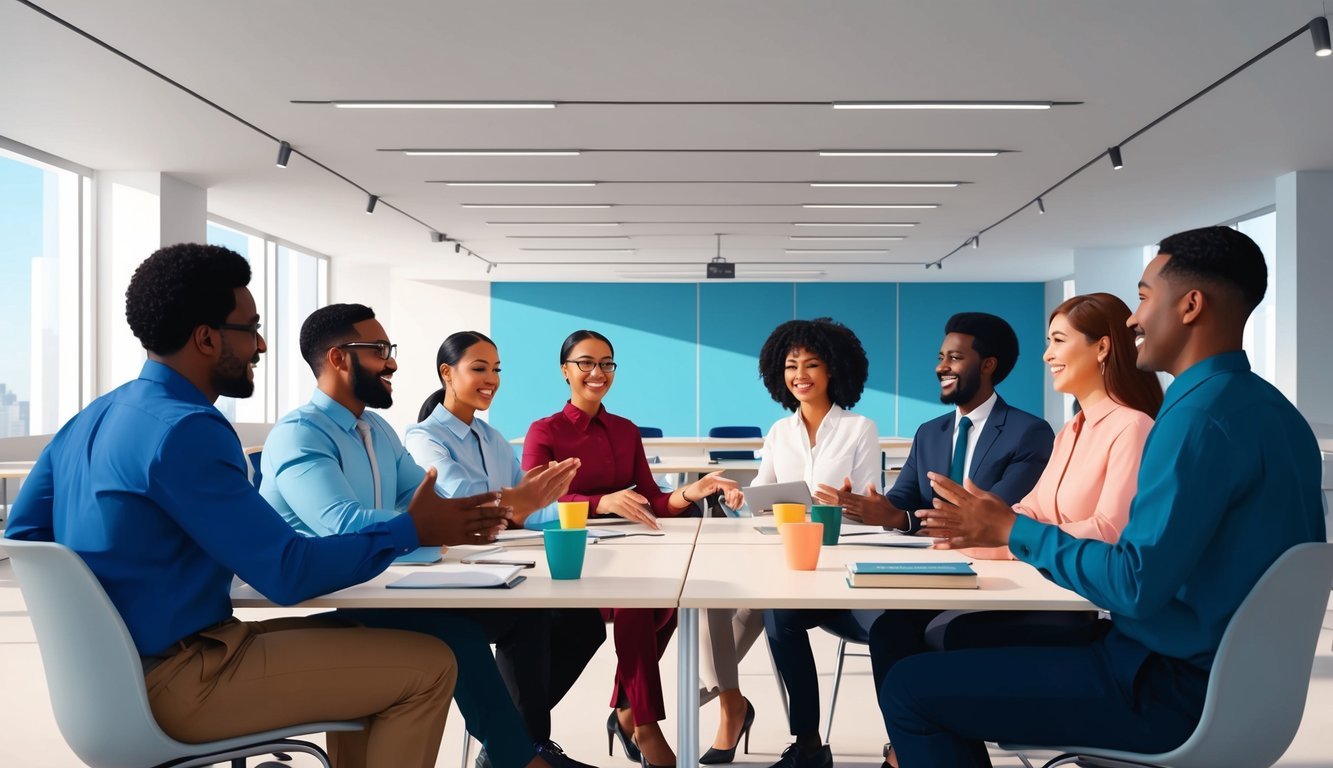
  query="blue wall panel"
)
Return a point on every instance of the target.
[
  {"x": 652, "y": 327},
  {"x": 672, "y": 337},
  {"x": 734, "y": 321},
  {"x": 870, "y": 310},
  {"x": 924, "y": 309}
]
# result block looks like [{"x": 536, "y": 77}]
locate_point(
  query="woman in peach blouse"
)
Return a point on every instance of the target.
[{"x": 1086, "y": 488}]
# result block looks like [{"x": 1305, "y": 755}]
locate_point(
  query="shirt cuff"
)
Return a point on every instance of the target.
[
  {"x": 542, "y": 518},
  {"x": 1024, "y": 538},
  {"x": 403, "y": 534}
]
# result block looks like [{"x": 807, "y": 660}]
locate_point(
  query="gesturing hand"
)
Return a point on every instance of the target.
[
  {"x": 629, "y": 505},
  {"x": 540, "y": 486},
  {"x": 869, "y": 509},
  {"x": 714, "y": 482},
  {"x": 965, "y": 516},
  {"x": 465, "y": 520}
]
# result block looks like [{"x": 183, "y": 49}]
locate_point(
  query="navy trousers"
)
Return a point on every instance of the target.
[
  {"x": 940, "y": 707},
  {"x": 789, "y": 639}
]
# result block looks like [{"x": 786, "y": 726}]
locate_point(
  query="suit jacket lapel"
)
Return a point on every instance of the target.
[{"x": 989, "y": 434}]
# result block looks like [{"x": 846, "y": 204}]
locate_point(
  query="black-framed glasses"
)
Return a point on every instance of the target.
[
  {"x": 251, "y": 328},
  {"x": 586, "y": 366},
  {"x": 383, "y": 349}
]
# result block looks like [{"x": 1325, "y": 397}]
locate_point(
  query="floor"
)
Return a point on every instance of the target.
[{"x": 32, "y": 740}]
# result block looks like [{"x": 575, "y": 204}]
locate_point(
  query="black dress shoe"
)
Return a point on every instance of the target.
[
  {"x": 613, "y": 730},
  {"x": 715, "y": 756},
  {"x": 793, "y": 757},
  {"x": 556, "y": 757},
  {"x": 483, "y": 759}
]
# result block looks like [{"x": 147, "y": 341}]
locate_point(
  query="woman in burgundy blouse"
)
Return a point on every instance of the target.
[{"x": 615, "y": 479}]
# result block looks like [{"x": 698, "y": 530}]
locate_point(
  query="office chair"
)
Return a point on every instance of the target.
[
  {"x": 733, "y": 432},
  {"x": 1251, "y": 710},
  {"x": 650, "y": 432},
  {"x": 96, "y": 678}
]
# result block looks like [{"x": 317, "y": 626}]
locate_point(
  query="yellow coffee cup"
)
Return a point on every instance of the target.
[
  {"x": 573, "y": 514},
  {"x": 788, "y": 513}
]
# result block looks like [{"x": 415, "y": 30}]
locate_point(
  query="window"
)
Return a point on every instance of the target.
[
  {"x": 1261, "y": 329},
  {"x": 288, "y": 284},
  {"x": 42, "y": 224}
]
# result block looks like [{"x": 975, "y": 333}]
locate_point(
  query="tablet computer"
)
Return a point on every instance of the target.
[{"x": 759, "y": 499}]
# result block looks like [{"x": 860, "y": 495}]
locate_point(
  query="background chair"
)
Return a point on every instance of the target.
[
  {"x": 96, "y": 679},
  {"x": 733, "y": 432},
  {"x": 1259, "y": 680},
  {"x": 859, "y": 638},
  {"x": 254, "y": 453}
]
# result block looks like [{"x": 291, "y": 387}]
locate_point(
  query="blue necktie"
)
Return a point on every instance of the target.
[{"x": 959, "y": 464}]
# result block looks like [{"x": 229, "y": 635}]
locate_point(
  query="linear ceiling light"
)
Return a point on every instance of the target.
[
  {"x": 491, "y": 152},
  {"x": 580, "y": 250},
  {"x": 854, "y": 224},
  {"x": 567, "y": 237},
  {"x": 872, "y": 206},
  {"x": 908, "y": 152},
  {"x": 846, "y": 237},
  {"x": 542, "y": 207},
  {"x": 1319, "y": 35},
  {"x": 943, "y": 104},
  {"x": 552, "y": 223},
  {"x": 284, "y": 154},
  {"x": 443, "y": 104},
  {"x": 887, "y": 184},
  {"x": 808, "y": 251},
  {"x": 517, "y": 183}
]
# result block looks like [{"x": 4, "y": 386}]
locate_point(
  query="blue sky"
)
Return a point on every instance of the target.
[{"x": 20, "y": 240}]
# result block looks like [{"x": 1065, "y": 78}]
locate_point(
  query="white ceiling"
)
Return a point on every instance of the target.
[{"x": 1128, "y": 62}]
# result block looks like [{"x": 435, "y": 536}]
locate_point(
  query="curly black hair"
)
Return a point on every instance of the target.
[
  {"x": 991, "y": 337},
  {"x": 832, "y": 342},
  {"x": 179, "y": 288},
  {"x": 1221, "y": 256},
  {"x": 327, "y": 327}
]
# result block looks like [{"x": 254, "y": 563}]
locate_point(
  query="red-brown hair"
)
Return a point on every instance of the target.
[{"x": 1101, "y": 315}]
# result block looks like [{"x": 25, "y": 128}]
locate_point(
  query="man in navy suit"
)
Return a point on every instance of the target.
[{"x": 1002, "y": 449}]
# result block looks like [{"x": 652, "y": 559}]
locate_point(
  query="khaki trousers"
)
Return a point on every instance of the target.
[{"x": 247, "y": 677}]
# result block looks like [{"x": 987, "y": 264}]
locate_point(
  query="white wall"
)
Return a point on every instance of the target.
[
  {"x": 1305, "y": 294},
  {"x": 1109, "y": 270}
]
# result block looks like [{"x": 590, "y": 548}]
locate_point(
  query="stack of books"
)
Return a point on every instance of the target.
[{"x": 915, "y": 575}]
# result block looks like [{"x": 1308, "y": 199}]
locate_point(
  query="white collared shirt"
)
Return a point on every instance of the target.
[
  {"x": 978, "y": 417},
  {"x": 846, "y": 445}
]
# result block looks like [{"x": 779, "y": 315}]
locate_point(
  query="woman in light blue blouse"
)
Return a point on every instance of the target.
[{"x": 538, "y": 667}]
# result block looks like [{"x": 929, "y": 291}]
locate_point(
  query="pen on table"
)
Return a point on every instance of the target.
[{"x": 523, "y": 563}]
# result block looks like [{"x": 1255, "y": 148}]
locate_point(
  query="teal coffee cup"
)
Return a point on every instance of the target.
[
  {"x": 831, "y": 517},
  {"x": 564, "y": 551}
]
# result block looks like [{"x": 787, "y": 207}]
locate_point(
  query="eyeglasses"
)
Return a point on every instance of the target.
[
  {"x": 383, "y": 349},
  {"x": 587, "y": 365},
  {"x": 252, "y": 328}
]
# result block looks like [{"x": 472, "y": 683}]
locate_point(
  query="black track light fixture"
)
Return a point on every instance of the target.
[
  {"x": 458, "y": 247},
  {"x": 1041, "y": 206},
  {"x": 371, "y": 202},
  {"x": 1116, "y": 162},
  {"x": 437, "y": 237},
  {"x": 1319, "y": 34},
  {"x": 284, "y": 154},
  {"x": 976, "y": 241}
]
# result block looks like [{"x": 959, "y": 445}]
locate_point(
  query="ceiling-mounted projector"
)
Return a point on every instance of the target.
[{"x": 720, "y": 269}]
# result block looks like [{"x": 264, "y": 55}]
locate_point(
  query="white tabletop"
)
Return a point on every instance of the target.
[
  {"x": 731, "y": 576},
  {"x": 614, "y": 576},
  {"x": 670, "y": 465},
  {"x": 678, "y": 530}
]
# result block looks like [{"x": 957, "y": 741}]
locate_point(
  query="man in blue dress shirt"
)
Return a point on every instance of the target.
[
  {"x": 148, "y": 484},
  {"x": 334, "y": 466},
  {"x": 1229, "y": 481}
]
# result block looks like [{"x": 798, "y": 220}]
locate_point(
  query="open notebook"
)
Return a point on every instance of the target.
[{"x": 459, "y": 576}]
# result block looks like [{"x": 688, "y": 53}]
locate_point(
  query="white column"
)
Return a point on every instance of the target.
[
  {"x": 137, "y": 213},
  {"x": 1055, "y": 405},
  {"x": 1304, "y": 294}
]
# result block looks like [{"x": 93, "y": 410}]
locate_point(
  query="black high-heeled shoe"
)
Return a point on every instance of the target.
[
  {"x": 715, "y": 756},
  {"x": 643, "y": 763},
  {"x": 613, "y": 730}
]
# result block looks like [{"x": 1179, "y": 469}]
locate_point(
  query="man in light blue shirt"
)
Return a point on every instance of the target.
[
  {"x": 1229, "y": 481},
  {"x": 332, "y": 466}
]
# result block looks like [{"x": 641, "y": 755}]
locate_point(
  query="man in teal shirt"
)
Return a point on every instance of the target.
[{"x": 1229, "y": 481}]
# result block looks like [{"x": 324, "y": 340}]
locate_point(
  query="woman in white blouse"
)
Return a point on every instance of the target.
[{"x": 817, "y": 369}]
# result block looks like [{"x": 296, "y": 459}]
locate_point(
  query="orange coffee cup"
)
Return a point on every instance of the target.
[{"x": 802, "y": 542}]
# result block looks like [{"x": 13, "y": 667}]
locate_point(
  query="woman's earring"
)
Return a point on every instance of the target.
[{"x": 1102, "y": 367}]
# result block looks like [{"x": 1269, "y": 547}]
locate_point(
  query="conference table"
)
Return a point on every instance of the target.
[{"x": 698, "y": 564}]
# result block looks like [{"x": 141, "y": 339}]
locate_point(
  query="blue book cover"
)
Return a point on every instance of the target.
[{"x": 916, "y": 569}]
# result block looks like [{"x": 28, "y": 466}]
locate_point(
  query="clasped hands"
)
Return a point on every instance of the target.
[{"x": 962, "y": 516}]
